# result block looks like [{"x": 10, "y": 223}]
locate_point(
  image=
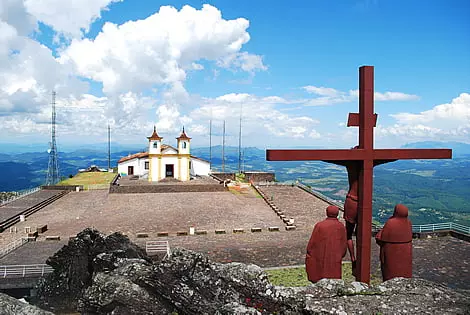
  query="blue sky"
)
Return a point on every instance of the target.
[{"x": 291, "y": 66}]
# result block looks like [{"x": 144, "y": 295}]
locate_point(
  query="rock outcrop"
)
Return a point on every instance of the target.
[
  {"x": 77, "y": 262},
  {"x": 11, "y": 306},
  {"x": 109, "y": 275}
]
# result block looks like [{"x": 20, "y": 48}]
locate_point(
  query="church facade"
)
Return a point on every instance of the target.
[{"x": 164, "y": 161}]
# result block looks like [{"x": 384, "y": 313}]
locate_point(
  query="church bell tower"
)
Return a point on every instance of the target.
[
  {"x": 155, "y": 142},
  {"x": 184, "y": 157},
  {"x": 155, "y": 151}
]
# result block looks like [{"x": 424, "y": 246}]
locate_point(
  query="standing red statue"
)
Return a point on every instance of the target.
[
  {"x": 326, "y": 248},
  {"x": 395, "y": 245},
  {"x": 351, "y": 204}
]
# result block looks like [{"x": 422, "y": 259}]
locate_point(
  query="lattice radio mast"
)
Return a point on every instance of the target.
[
  {"x": 210, "y": 144},
  {"x": 223, "y": 149},
  {"x": 109, "y": 147},
  {"x": 53, "y": 166},
  {"x": 240, "y": 142}
]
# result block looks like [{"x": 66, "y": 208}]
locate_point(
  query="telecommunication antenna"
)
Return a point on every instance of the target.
[
  {"x": 53, "y": 165},
  {"x": 210, "y": 144},
  {"x": 109, "y": 147},
  {"x": 223, "y": 149},
  {"x": 240, "y": 142}
]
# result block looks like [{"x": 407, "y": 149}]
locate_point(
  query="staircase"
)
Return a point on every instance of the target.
[{"x": 27, "y": 212}]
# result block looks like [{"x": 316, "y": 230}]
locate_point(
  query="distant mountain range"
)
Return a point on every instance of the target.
[
  {"x": 434, "y": 190},
  {"x": 459, "y": 149}
]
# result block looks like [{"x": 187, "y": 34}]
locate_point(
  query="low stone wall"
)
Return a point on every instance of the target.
[
  {"x": 223, "y": 176},
  {"x": 259, "y": 177},
  {"x": 165, "y": 189},
  {"x": 64, "y": 187}
]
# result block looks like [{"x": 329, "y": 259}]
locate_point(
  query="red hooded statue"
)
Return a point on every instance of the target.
[
  {"x": 326, "y": 248},
  {"x": 395, "y": 245}
]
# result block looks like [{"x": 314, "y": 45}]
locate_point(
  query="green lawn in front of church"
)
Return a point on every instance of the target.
[{"x": 90, "y": 180}]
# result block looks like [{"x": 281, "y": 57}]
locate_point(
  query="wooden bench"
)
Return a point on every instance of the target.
[
  {"x": 220, "y": 231},
  {"x": 256, "y": 230},
  {"x": 290, "y": 228},
  {"x": 273, "y": 229},
  {"x": 142, "y": 235},
  {"x": 238, "y": 231},
  {"x": 53, "y": 238},
  {"x": 162, "y": 234},
  {"x": 201, "y": 232},
  {"x": 42, "y": 229},
  {"x": 181, "y": 233}
]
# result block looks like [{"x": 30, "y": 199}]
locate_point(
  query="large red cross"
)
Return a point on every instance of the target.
[{"x": 368, "y": 157}]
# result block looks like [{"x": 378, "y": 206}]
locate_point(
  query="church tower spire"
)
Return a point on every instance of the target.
[
  {"x": 155, "y": 144},
  {"x": 183, "y": 143}
]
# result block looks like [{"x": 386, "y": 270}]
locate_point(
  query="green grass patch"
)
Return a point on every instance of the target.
[
  {"x": 297, "y": 277},
  {"x": 89, "y": 180},
  {"x": 288, "y": 277}
]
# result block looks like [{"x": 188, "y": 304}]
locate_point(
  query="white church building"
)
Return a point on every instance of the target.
[{"x": 164, "y": 161}]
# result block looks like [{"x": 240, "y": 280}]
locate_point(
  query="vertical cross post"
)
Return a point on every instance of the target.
[{"x": 366, "y": 143}]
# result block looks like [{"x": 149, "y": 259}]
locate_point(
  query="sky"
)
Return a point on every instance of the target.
[{"x": 289, "y": 69}]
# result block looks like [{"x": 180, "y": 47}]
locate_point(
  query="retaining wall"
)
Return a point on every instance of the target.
[
  {"x": 223, "y": 176},
  {"x": 259, "y": 177},
  {"x": 64, "y": 187},
  {"x": 165, "y": 189}
]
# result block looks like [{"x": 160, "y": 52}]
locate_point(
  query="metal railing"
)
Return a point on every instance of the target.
[
  {"x": 154, "y": 247},
  {"x": 13, "y": 245},
  {"x": 319, "y": 195},
  {"x": 436, "y": 227},
  {"x": 21, "y": 271},
  {"x": 19, "y": 195}
]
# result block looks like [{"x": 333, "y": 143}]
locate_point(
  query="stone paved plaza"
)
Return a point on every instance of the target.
[{"x": 443, "y": 259}]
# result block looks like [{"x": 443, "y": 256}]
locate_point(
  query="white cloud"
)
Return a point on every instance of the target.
[
  {"x": 198, "y": 130},
  {"x": 449, "y": 121},
  {"x": 28, "y": 69},
  {"x": 156, "y": 51},
  {"x": 196, "y": 66},
  {"x": 394, "y": 96},
  {"x": 259, "y": 116},
  {"x": 457, "y": 110},
  {"x": 70, "y": 18},
  {"x": 234, "y": 97},
  {"x": 322, "y": 91},
  {"x": 14, "y": 14},
  {"x": 330, "y": 96},
  {"x": 245, "y": 61}
]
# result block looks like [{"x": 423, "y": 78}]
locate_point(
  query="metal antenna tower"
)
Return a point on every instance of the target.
[
  {"x": 210, "y": 144},
  {"x": 53, "y": 166},
  {"x": 240, "y": 142},
  {"x": 223, "y": 150},
  {"x": 109, "y": 147}
]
